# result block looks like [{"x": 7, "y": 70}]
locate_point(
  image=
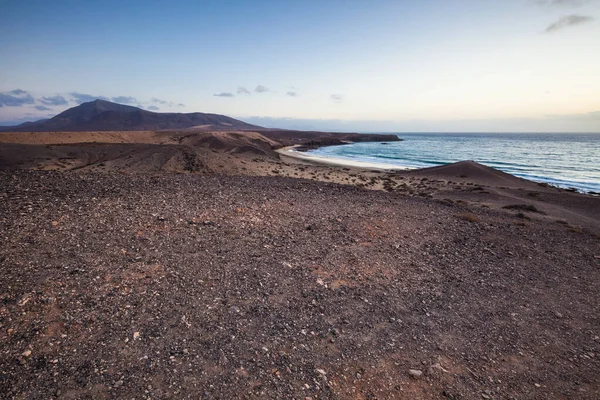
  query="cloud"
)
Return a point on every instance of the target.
[
  {"x": 243, "y": 90},
  {"x": 568, "y": 20},
  {"x": 589, "y": 116},
  {"x": 292, "y": 94},
  {"x": 338, "y": 98},
  {"x": 180, "y": 105},
  {"x": 223, "y": 94},
  {"x": 568, "y": 3},
  {"x": 15, "y": 98},
  {"x": 53, "y": 101},
  {"x": 84, "y": 98},
  {"x": 575, "y": 3},
  {"x": 153, "y": 108},
  {"x": 125, "y": 100},
  {"x": 586, "y": 122},
  {"x": 261, "y": 89},
  {"x": 42, "y": 108},
  {"x": 162, "y": 102}
]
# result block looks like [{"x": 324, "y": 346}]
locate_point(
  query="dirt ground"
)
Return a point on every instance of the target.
[{"x": 118, "y": 285}]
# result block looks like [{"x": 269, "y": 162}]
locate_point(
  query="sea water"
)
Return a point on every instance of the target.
[{"x": 563, "y": 160}]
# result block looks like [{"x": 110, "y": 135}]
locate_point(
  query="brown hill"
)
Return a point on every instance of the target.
[
  {"x": 470, "y": 171},
  {"x": 131, "y": 151},
  {"x": 317, "y": 139},
  {"x": 100, "y": 115}
]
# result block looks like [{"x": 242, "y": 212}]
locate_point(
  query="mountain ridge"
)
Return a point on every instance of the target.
[{"x": 102, "y": 115}]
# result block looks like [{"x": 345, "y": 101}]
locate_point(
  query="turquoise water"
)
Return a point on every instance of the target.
[{"x": 564, "y": 160}]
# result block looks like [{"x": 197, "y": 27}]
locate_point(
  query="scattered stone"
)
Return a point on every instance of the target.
[
  {"x": 415, "y": 373},
  {"x": 136, "y": 335},
  {"x": 436, "y": 369},
  {"x": 26, "y": 353}
]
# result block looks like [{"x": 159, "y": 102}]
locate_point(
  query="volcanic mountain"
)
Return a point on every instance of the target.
[{"x": 101, "y": 115}]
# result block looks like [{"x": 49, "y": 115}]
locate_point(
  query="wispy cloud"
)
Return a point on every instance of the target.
[
  {"x": 338, "y": 98},
  {"x": 125, "y": 100},
  {"x": 53, "y": 101},
  {"x": 223, "y": 94},
  {"x": 567, "y": 21},
  {"x": 153, "y": 108},
  {"x": 15, "y": 98},
  {"x": 261, "y": 89},
  {"x": 589, "y": 116},
  {"x": 567, "y": 3},
  {"x": 161, "y": 102},
  {"x": 242, "y": 90},
  {"x": 180, "y": 105},
  {"x": 292, "y": 94},
  {"x": 42, "y": 108},
  {"x": 84, "y": 98}
]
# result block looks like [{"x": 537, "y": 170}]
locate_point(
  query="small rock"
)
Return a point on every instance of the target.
[
  {"x": 436, "y": 369},
  {"x": 136, "y": 335},
  {"x": 320, "y": 371},
  {"x": 26, "y": 353},
  {"x": 415, "y": 373},
  {"x": 118, "y": 384},
  {"x": 558, "y": 315}
]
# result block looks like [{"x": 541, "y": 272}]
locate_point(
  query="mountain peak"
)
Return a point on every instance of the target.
[
  {"x": 104, "y": 115},
  {"x": 105, "y": 105}
]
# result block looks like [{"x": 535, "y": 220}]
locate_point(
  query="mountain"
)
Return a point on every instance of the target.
[{"x": 101, "y": 115}]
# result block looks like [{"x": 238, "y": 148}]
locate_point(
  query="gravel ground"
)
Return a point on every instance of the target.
[{"x": 186, "y": 286}]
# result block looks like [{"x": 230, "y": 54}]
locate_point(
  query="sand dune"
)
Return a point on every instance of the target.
[
  {"x": 132, "y": 152},
  {"x": 470, "y": 171}
]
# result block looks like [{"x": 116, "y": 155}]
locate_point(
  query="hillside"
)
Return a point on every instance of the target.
[{"x": 101, "y": 115}]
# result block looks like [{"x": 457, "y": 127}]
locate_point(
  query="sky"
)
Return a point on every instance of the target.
[{"x": 352, "y": 65}]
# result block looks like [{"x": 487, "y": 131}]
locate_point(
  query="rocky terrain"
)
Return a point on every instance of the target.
[{"x": 199, "y": 285}]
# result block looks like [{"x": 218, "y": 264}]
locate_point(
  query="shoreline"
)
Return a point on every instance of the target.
[
  {"x": 302, "y": 155},
  {"x": 290, "y": 151}
]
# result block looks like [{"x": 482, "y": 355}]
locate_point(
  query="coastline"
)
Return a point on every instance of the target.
[
  {"x": 289, "y": 151},
  {"x": 362, "y": 160}
]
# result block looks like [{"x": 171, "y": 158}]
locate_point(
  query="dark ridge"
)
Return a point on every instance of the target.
[{"x": 101, "y": 115}]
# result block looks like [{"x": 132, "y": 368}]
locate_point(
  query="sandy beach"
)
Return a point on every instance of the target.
[
  {"x": 291, "y": 152},
  {"x": 211, "y": 265}
]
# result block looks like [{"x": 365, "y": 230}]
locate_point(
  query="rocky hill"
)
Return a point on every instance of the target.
[{"x": 101, "y": 115}]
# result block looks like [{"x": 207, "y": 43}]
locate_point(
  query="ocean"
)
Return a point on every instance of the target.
[{"x": 563, "y": 160}]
